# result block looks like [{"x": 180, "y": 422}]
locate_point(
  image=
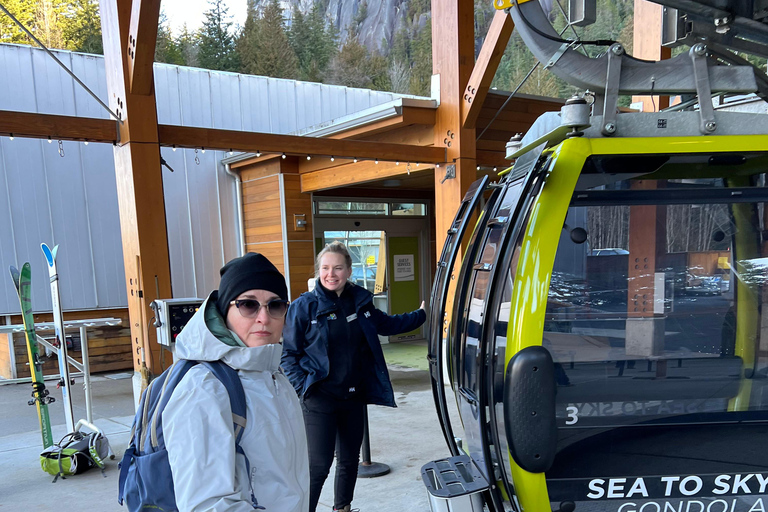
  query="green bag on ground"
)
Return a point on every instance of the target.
[{"x": 75, "y": 453}]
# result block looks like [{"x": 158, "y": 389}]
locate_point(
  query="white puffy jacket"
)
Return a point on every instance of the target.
[{"x": 199, "y": 437}]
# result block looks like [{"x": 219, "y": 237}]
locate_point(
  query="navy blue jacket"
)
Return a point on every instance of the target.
[{"x": 305, "y": 341}]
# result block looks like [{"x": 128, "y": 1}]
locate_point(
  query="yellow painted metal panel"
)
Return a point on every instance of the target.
[
  {"x": 506, "y": 4},
  {"x": 531, "y": 286}
]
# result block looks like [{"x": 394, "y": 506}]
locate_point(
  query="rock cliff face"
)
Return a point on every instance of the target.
[{"x": 383, "y": 18}]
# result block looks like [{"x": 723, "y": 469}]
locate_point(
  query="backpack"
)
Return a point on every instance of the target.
[
  {"x": 75, "y": 453},
  {"x": 146, "y": 481}
]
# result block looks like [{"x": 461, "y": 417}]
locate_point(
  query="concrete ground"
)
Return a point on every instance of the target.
[{"x": 404, "y": 438}]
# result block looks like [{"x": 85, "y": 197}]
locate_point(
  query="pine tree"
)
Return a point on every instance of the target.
[
  {"x": 265, "y": 45},
  {"x": 247, "y": 41},
  {"x": 216, "y": 49},
  {"x": 421, "y": 72},
  {"x": 167, "y": 48},
  {"x": 24, "y": 11},
  {"x": 314, "y": 41},
  {"x": 187, "y": 43},
  {"x": 49, "y": 22},
  {"x": 82, "y": 30}
]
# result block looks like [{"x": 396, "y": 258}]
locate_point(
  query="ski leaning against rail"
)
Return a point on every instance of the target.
[
  {"x": 61, "y": 339},
  {"x": 23, "y": 283}
]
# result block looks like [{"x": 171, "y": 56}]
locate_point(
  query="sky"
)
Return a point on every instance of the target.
[{"x": 191, "y": 12}]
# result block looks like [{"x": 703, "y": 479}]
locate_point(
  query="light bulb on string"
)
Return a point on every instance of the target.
[
  {"x": 203, "y": 150},
  {"x": 230, "y": 151},
  {"x": 494, "y": 169},
  {"x": 332, "y": 159},
  {"x": 174, "y": 147},
  {"x": 86, "y": 142},
  {"x": 49, "y": 139},
  {"x": 11, "y": 136},
  {"x": 478, "y": 167},
  {"x": 376, "y": 161},
  {"x": 354, "y": 160},
  {"x": 397, "y": 162},
  {"x": 309, "y": 157},
  {"x": 258, "y": 153},
  {"x": 283, "y": 156}
]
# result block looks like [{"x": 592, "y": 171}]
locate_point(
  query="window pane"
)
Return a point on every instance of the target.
[
  {"x": 349, "y": 208},
  {"x": 416, "y": 209}
]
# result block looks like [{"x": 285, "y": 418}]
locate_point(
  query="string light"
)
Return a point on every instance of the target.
[
  {"x": 283, "y": 156},
  {"x": 478, "y": 167},
  {"x": 49, "y": 139},
  {"x": 258, "y": 153},
  {"x": 494, "y": 169},
  {"x": 203, "y": 150},
  {"x": 417, "y": 164},
  {"x": 230, "y": 151},
  {"x": 86, "y": 143},
  {"x": 437, "y": 165},
  {"x": 376, "y": 161},
  {"x": 332, "y": 159},
  {"x": 11, "y": 136},
  {"x": 354, "y": 160},
  {"x": 397, "y": 162},
  {"x": 309, "y": 157},
  {"x": 174, "y": 147}
]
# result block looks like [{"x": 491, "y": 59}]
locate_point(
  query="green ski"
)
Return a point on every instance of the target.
[{"x": 40, "y": 397}]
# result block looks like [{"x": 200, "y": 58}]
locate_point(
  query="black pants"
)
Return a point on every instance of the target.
[{"x": 333, "y": 423}]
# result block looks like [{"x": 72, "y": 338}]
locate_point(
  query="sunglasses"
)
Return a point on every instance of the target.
[{"x": 249, "y": 308}]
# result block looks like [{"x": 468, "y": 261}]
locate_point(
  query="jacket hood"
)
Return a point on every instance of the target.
[{"x": 196, "y": 342}]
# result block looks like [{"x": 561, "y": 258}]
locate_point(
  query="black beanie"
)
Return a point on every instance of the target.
[{"x": 250, "y": 272}]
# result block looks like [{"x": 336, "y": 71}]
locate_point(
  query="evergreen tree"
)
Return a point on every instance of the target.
[
  {"x": 355, "y": 66},
  {"x": 314, "y": 41},
  {"x": 22, "y": 10},
  {"x": 187, "y": 43},
  {"x": 167, "y": 48},
  {"x": 265, "y": 47},
  {"x": 216, "y": 48},
  {"x": 83, "y": 27},
  {"x": 50, "y": 21},
  {"x": 247, "y": 41},
  {"x": 421, "y": 72}
]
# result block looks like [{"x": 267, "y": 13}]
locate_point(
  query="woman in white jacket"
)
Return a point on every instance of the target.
[{"x": 241, "y": 324}]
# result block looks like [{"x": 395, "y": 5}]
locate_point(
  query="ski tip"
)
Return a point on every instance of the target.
[{"x": 50, "y": 256}]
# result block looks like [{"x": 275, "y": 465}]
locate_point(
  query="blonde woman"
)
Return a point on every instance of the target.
[{"x": 332, "y": 356}]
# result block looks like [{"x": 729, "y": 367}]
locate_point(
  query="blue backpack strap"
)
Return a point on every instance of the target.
[{"x": 231, "y": 380}]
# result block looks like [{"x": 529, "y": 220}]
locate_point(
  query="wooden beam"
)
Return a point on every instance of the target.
[
  {"x": 355, "y": 174},
  {"x": 142, "y": 39},
  {"x": 42, "y": 126},
  {"x": 190, "y": 137},
  {"x": 139, "y": 188},
  {"x": 646, "y": 42},
  {"x": 453, "y": 52},
  {"x": 409, "y": 116},
  {"x": 485, "y": 67}
]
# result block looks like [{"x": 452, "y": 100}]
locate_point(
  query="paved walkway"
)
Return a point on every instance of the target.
[{"x": 404, "y": 438}]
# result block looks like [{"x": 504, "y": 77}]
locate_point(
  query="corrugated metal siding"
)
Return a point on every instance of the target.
[{"x": 72, "y": 201}]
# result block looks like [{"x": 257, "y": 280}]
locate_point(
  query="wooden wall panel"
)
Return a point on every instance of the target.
[
  {"x": 302, "y": 261},
  {"x": 273, "y": 251},
  {"x": 109, "y": 347}
]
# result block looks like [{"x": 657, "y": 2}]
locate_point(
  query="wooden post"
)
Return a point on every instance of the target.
[
  {"x": 138, "y": 173},
  {"x": 647, "y": 46},
  {"x": 453, "y": 58}
]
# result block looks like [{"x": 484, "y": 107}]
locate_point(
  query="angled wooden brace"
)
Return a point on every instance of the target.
[
  {"x": 485, "y": 67},
  {"x": 140, "y": 50}
]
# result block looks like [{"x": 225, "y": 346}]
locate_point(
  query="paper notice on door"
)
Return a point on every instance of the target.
[{"x": 404, "y": 267}]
